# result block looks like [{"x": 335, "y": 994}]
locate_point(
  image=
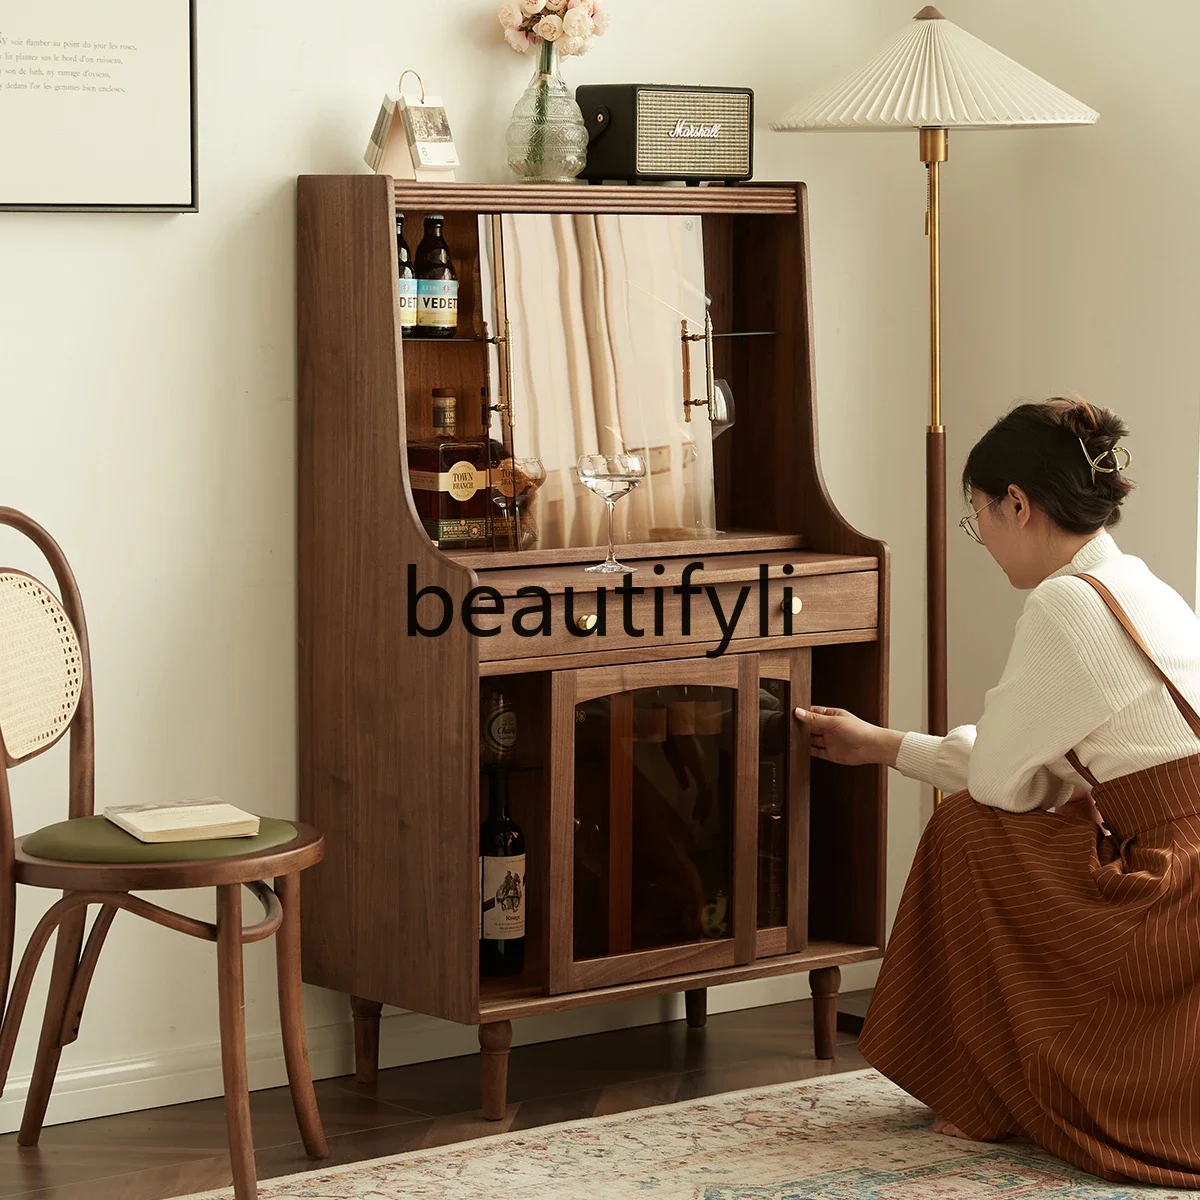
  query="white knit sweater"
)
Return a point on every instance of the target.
[{"x": 1074, "y": 680}]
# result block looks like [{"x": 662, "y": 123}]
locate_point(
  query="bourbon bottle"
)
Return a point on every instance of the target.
[{"x": 451, "y": 480}]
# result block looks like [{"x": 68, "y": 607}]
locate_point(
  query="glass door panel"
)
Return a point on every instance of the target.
[
  {"x": 654, "y": 814},
  {"x": 774, "y": 711},
  {"x": 653, "y": 820},
  {"x": 781, "y": 880}
]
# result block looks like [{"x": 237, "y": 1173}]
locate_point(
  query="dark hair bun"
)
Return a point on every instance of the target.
[{"x": 1063, "y": 453}]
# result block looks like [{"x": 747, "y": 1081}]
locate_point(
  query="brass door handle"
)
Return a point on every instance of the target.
[
  {"x": 794, "y": 605},
  {"x": 586, "y": 623}
]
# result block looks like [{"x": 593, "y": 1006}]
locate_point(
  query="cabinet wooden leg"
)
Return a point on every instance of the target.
[
  {"x": 696, "y": 1002},
  {"x": 825, "y": 984},
  {"x": 291, "y": 1018},
  {"x": 366, "y": 1038},
  {"x": 494, "y": 1041},
  {"x": 232, "y": 1007}
]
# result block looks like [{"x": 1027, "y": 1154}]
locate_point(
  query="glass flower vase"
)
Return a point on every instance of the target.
[{"x": 547, "y": 139}]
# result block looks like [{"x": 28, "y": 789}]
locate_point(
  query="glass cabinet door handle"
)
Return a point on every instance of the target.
[{"x": 794, "y": 605}]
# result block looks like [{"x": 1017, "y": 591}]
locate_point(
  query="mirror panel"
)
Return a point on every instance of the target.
[{"x": 595, "y": 305}]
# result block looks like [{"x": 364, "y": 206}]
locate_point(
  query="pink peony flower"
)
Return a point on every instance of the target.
[
  {"x": 556, "y": 6},
  {"x": 531, "y": 8},
  {"x": 549, "y": 28},
  {"x": 573, "y": 46},
  {"x": 521, "y": 42},
  {"x": 587, "y": 5},
  {"x": 599, "y": 19},
  {"x": 577, "y": 23},
  {"x": 510, "y": 16}
]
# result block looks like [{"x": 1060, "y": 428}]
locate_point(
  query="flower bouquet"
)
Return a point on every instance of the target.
[{"x": 547, "y": 139}]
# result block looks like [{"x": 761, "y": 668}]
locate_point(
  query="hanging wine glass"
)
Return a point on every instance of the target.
[
  {"x": 724, "y": 411},
  {"x": 611, "y": 476}
]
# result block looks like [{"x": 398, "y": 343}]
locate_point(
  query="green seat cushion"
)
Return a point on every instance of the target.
[{"x": 98, "y": 840}]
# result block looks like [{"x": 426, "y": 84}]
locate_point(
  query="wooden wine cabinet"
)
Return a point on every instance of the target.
[{"x": 389, "y": 721}]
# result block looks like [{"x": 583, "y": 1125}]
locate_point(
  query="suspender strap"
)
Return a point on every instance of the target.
[
  {"x": 1080, "y": 769},
  {"x": 1185, "y": 709}
]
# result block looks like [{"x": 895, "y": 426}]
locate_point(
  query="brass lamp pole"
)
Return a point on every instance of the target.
[
  {"x": 934, "y": 150},
  {"x": 933, "y": 76}
]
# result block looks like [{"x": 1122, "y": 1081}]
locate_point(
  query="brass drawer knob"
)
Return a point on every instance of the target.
[
  {"x": 586, "y": 623},
  {"x": 794, "y": 605}
]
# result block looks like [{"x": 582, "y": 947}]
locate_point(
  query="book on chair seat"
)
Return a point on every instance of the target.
[{"x": 188, "y": 821}]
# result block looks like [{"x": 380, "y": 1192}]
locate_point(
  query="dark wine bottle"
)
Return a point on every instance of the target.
[
  {"x": 437, "y": 283},
  {"x": 502, "y": 866},
  {"x": 408, "y": 282}
]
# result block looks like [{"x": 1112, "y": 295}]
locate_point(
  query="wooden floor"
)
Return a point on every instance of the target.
[{"x": 173, "y": 1151}]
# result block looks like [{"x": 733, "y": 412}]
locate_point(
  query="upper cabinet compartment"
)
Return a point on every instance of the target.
[{"x": 667, "y": 323}]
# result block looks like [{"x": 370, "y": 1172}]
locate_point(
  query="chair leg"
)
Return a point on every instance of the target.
[
  {"x": 232, "y": 1004},
  {"x": 291, "y": 1018},
  {"x": 67, "y": 946}
]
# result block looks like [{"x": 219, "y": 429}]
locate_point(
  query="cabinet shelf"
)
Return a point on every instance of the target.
[
  {"x": 506, "y": 1000},
  {"x": 736, "y": 541}
]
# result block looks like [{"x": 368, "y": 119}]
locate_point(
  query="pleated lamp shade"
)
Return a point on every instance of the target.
[{"x": 933, "y": 74}]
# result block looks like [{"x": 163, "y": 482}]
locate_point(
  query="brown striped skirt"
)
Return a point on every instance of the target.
[{"x": 1043, "y": 977}]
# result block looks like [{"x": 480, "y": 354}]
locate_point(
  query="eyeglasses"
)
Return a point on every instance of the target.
[{"x": 970, "y": 523}]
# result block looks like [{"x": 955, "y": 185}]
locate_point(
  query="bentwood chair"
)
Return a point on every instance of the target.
[{"x": 46, "y": 694}]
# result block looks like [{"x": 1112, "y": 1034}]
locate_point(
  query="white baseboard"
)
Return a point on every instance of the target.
[{"x": 194, "y": 1072}]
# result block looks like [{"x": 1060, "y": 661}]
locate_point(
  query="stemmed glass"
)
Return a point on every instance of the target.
[{"x": 611, "y": 476}]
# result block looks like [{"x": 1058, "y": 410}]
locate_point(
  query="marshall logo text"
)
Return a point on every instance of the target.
[{"x": 687, "y": 129}]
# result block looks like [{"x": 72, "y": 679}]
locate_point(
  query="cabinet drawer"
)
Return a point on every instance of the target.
[{"x": 592, "y": 619}]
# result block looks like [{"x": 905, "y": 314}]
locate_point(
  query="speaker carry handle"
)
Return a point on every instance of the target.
[{"x": 597, "y": 124}]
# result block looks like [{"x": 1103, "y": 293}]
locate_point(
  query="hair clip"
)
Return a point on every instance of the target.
[{"x": 1117, "y": 466}]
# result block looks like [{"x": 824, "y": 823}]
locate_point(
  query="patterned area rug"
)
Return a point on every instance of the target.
[{"x": 842, "y": 1137}]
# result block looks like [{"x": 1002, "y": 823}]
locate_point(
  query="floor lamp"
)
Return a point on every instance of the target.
[{"x": 934, "y": 77}]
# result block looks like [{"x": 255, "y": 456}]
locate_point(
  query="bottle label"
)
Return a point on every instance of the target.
[
  {"x": 462, "y": 480},
  {"x": 408, "y": 303},
  {"x": 459, "y": 531},
  {"x": 437, "y": 303},
  {"x": 500, "y": 731},
  {"x": 503, "y": 897}
]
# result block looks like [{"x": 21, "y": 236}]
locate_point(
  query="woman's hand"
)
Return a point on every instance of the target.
[
  {"x": 840, "y": 737},
  {"x": 1082, "y": 805}
]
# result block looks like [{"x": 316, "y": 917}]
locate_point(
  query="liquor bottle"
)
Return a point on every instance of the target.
[
  {"x": 437, "y": 283},
  {"x": 497, "y": 729},
  {"x": 408, "y": 282},
  {"x": 502, "y": 868},
  {"x": 451, "y": 480}
]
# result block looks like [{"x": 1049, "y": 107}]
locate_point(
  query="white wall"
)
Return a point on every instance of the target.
[
  {"x": 149, "y": 407},
  {"x": 1071, "y": 262}
]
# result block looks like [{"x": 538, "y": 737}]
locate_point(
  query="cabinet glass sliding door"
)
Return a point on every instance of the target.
[{"x": 653, "y": 820}]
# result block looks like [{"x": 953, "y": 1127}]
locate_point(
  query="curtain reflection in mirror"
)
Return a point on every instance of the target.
[{"x": 595, "y": 304}]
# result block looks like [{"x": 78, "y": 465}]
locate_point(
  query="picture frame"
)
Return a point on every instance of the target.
[{"x": 149, "y": 46}]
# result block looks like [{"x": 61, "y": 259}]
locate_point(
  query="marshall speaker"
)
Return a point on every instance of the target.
[{"x": 641, "y": 132}]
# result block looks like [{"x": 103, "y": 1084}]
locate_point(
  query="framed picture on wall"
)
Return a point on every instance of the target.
[{"x": 98, "y": 105}]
